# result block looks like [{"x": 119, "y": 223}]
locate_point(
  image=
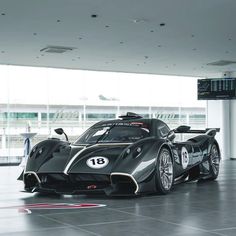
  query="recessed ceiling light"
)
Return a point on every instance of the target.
[{"x": 139, "y": 20}]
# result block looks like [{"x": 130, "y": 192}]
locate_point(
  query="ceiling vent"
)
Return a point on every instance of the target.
[
  {"x": 56, "y": 49},
  {"x": 221, "y": 63}
]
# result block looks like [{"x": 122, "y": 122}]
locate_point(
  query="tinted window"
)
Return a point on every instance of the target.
[{"x": 116, "y": 133}]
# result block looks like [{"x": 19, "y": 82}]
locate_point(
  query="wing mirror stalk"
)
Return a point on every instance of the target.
[
  {"x": 171, "y": 135},
  {"x": 60, "y": 131}
]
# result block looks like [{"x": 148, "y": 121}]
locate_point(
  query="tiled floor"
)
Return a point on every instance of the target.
[{"x": 198, "y": 209}]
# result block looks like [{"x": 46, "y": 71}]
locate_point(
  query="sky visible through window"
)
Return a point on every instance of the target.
[{"x": 30, "y": 85}]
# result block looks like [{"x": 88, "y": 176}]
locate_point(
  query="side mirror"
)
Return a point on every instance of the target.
[
  {"x": 60, "y": 131},
  {"x": 171, "y": 135}
]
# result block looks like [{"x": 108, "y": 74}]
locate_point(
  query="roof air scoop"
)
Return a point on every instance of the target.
[{"x": 130, "y": 115}]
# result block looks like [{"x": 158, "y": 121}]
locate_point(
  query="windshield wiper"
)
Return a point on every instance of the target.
[{"x": 105, "y": 133}]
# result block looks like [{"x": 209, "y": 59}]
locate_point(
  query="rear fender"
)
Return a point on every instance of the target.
[{"x": 213, "y": 141}]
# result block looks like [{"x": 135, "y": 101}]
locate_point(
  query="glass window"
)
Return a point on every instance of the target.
[
  {"x": 20, "y": 115},
  {"x": 44, "y": 116},
  {"x": 114, "y": 133},
  {"x": 32, "y": 97},
  {"x": 100, "y": 116}
]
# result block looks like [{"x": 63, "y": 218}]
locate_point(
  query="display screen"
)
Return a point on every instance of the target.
[{"x": 217, "y": 89}]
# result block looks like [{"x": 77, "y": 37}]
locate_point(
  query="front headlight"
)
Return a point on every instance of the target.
[
  {"x": 33, "y": 151},
  {"x": 137, "y": 151},
  {"x": 134, "y": 151},
  {"x": 36, "y": 152},
  {"x": 126, "y": 153}
]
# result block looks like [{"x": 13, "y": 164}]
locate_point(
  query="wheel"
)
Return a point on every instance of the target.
[
  {"x": 164, "y": 171},
  {"x": 214, "y": 162}
]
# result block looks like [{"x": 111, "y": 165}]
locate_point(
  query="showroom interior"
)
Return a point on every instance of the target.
[{"x": 71, "y": 64}]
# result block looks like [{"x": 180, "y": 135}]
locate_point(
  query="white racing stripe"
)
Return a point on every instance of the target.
[
  {"x": 72, "y": 160},
  {"x": 33, "y": 173},
  {"x": 81, "y": 151},
  {"x": 128, "y": 175}
]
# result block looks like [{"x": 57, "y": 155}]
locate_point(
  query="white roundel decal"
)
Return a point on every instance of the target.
[
  {"x": 184, "y": 157},
  {"x": 97, "y": 162}
]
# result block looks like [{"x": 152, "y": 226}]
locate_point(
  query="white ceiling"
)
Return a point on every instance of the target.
[{"x": 125, "y": 36}]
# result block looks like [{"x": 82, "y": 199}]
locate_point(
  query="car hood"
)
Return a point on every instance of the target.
[{"x": 73, "y": 159}]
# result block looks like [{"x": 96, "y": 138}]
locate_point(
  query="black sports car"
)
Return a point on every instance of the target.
[{"x": 126, "y": 156}]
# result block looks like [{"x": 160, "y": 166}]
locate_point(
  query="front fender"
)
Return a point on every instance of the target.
[
  {"x": 140, "y": 165},
  {"x": 43, "y": 152}
]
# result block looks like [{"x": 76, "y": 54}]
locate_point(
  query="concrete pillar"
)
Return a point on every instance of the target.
[
  {"x": 232, "y": 129},
  {"x": 232, "y": 118},
  {"x": 118, "y": 112},
  {"x": 150, "y": 112},
  {"x": 39, "y": 119},
  {"x": 214, "y": 120},
  {"x": 225, "y": 128},
  {"x": 4, "y": 139},
  {"x": 84, "y": 114},
  {"x": 222, "y": 114}
]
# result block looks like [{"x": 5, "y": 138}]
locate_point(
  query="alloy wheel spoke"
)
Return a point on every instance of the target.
[
  {"x": 166, "y": 170},
  {"x": 215, "y": 160}
]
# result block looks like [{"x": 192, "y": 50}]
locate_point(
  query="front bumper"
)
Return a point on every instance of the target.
[{"x": 115, "y": 184}]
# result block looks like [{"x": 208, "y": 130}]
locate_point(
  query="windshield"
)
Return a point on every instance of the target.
[{"x": 113, "y": 133}]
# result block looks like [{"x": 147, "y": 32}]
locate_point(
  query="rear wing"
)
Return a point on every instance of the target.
[{"x": 187, "y": 129}]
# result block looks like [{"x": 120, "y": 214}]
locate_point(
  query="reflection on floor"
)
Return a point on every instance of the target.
[{"x": 191, "y": 209}]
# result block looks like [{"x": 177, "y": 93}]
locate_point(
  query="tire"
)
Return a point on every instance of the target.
[
  {"x": 214, "y": 162},
  {"x": 194, "y": 173},
  {"x": 164, "y": 171}
]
